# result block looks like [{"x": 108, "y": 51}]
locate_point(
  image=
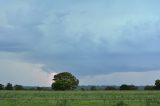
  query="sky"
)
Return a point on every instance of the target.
[{"x": 101, "y": 42}]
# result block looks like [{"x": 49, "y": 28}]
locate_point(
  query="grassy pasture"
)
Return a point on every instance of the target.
[{"x": 80, "y": 98}]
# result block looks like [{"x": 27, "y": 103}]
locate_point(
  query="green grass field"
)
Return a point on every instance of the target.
[{"x": 80, "y": 98}]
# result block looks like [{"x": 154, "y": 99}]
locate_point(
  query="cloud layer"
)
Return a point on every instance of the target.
[{"x": 82, "y": 37}]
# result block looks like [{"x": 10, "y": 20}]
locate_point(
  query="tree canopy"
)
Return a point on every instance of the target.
[
  {"x": 157, "y": 84},
  {"x": 128, "y": 87},
  {"x": 1, "y": 86},
  {"x": 65, "y": 81},
  {"x": 9, "y": 86}
]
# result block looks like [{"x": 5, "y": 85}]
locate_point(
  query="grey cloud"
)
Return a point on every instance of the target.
[
  {"x": 87, "y": 57},
  {"x": 65, "y": 40},
  {"x": 18, "y": 38},
  {"x": 141, "y": 38}
]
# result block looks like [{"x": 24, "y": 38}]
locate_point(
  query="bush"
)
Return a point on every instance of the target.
[
  {"x": 121, "y": 103},
  {"x": 149, "y": 87},
  {"x": 110, "y": 88},
  {"x": 93, "y": 88},
  {"x": 83, "y": 89}
]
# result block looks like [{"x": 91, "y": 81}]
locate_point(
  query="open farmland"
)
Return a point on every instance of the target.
[{"x": 79, "y": 98}]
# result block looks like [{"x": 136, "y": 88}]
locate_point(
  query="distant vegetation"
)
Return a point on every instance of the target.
[
  {"x": 110, "y": 88},
  {"x": 128, "y": 87},
  {"x": 67, "y": 81},
  {"x": 9, "y": 86},
  {"x": 93, "y": 88}
]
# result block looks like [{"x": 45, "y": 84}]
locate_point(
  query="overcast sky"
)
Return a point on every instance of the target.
[{"x": 102, "y": 42}]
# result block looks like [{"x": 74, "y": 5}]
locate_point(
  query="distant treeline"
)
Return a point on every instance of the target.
[
  {"x": 122, "y": 87},
  {"x": 156, "y": 86},
  {"x": 9, "y": 86}
]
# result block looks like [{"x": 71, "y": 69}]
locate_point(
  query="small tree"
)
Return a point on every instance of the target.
[
  {"x": 18, "y": 87},
  {"x": 65, "y": 81},
  {"x": 124, "y": 87},
  {"x": 128, "y": 87},
  {"x": 1, "y": 86},
  {"x": 9, "y": 87}
]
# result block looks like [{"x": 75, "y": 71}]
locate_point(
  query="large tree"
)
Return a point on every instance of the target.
[
  {"x": 65, "y": 81},
  {"x": 157, "y": 84}
]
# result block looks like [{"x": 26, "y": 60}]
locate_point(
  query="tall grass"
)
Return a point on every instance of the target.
[{"x": 80, "y": 98}]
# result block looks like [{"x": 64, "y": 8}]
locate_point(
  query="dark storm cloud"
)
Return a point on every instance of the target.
[{"x": 82, "y": 40}]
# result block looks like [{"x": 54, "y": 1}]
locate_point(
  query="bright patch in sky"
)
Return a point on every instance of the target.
[{"x": 28, "y": 74}]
